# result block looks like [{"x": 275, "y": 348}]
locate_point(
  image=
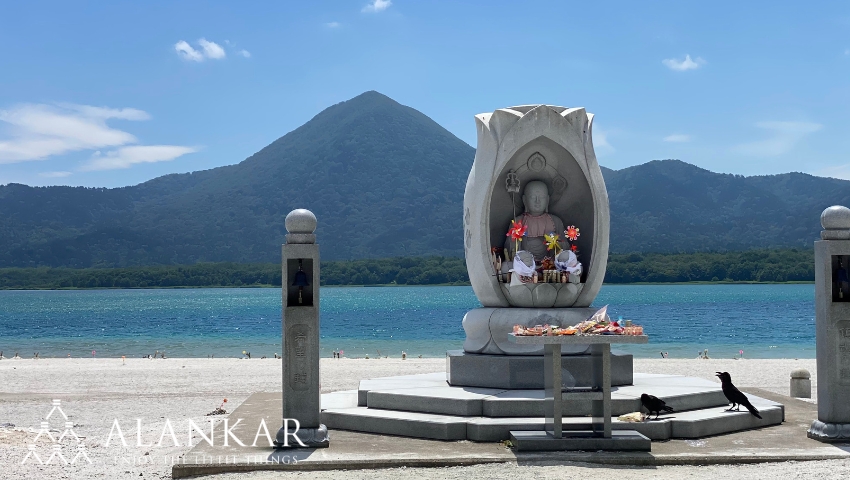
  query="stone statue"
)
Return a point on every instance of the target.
[{"x": 540, "y": 222}]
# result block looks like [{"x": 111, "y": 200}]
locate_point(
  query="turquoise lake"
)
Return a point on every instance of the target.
[{"x": 766, "y": 321}]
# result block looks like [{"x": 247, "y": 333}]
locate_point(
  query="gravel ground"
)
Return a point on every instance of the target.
[
  {"x": 833, "y": 469},
  {"x": 95, "y": 392}
]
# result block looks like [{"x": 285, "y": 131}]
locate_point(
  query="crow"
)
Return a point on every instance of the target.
[
  {"x": 654, "y": 404},
  {"x": 734, "y": 395}
]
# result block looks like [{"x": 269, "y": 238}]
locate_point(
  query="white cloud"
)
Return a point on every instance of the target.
[
  {"x": 783, "y": 137},
  {"x": 377, "y": 6},
  {"x": 125, "y": 157},
  {"x": 207, "y": 50},
  {"x": 38, "y": 131},
  {"x": 600, "y": 141},
  {"x": 186, "y": 52},
  {"x": 677, "y": 138},
  {"x": 212, "y": 49},
  {"x": 107, "y": 113},
  {"x": 245, "y": 53},
  {"x": 54, "y": 174},
  {"x": 837, "y": 171},
  {"x": 333, "y": 24},
  {"x": 683, "y": 65}
]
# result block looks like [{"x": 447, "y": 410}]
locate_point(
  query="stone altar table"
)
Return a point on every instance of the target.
[{"x": 599, "y": 436}]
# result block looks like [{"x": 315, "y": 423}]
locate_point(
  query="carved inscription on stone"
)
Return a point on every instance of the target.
[
  {"x": 843, "y": 339},
  {"x": 297, "y": 346}
]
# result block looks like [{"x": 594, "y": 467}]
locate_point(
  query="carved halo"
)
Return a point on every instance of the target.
[
  {"x": 536, "y": 162},
  {"x": 543, "y": 172}
]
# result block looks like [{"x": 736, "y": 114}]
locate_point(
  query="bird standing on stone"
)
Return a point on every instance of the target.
[
  {"x": 734, "y": 395},
  {"x": 654, "y": 404}
]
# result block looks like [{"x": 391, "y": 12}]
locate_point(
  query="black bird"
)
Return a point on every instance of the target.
[
  {"x": 734, "y": 395},
  {"x": 654, "y": 404}
]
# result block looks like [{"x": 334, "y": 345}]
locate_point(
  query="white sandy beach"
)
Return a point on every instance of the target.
[{"x": 96, "y": 391}]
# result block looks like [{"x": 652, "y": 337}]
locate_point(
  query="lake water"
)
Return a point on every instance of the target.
[{"x": 766, "y": 321}]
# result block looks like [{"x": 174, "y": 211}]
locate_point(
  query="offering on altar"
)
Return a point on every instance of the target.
[
  {"x": 598, "y": 324},
  {"x": 586, "y": 327}
]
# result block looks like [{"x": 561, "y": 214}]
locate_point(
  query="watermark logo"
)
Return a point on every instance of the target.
[
  {"x": 227, "y": 436},
  {"x": 56, "y": 442},
  {"x": 56, "y": 453}
]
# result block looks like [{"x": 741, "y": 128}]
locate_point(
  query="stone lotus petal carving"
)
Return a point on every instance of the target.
[
  {"x": 507, "y": 139},
  {"x": 829, "y": 432}
]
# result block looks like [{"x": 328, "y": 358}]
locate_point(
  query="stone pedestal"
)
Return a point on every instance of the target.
[
  {"x": 487, "y": 329},
  {"x": 300, "y": 292},
  {"x": 832, "y": 316},
  {"x": 524, "y": 372}
]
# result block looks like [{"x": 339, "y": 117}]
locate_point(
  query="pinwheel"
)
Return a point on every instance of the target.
[
  {"x": 572, "y": 233},
  {"x": 552, "y": 242},
  {"x": 516, "y": 232}
]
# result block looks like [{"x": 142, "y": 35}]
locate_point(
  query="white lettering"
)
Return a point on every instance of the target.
[
  {"x": 286, "y": 433},
  {"x": 139, "y": 434},
  {"x": 194, "y": 426},
  {"x": 116, "y": 426},
  {"x": 229, "y": 433},
  {"x": 265, "y": 429},
  {"x": 168, "y": 427}
]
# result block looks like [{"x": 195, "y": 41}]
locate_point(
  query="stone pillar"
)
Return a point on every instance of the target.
[
  {"x": 300, "y": 330},
  {"x": 801, "y": 383},
  {"x": 832, "y": 325}
]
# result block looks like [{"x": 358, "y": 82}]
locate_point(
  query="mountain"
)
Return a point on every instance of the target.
[
  {"x": 672, "y": 206},
  {"x": 384, "y": 180}
]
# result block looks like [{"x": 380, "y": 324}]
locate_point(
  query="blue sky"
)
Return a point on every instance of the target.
[{"x": 116, "y": 93}]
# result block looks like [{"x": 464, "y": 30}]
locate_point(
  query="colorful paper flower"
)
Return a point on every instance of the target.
[
  {"x": 574, "y": 248},
  {"x": 572, "y": 233},
  {"x": 552, "y": 242},
  {"x": 517, "y": 230}
]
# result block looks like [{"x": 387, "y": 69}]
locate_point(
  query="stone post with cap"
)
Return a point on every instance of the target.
[
  {"x": 300, "y": 332},
  {"x": 801, "y": 383},
  {"x": 832, "y": 326}
]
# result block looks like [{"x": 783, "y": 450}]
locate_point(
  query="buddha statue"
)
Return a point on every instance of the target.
[{"x": 539, "y": 222}]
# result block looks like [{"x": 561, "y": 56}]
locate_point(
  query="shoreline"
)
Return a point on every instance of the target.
[
  {"x": 187, "y": 287},
  {"x": 360, "y": 348}
]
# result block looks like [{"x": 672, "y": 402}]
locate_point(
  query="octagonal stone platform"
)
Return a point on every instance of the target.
[
  {"x": 518, "y": 372},
  {"x": 426, "y": 406}
]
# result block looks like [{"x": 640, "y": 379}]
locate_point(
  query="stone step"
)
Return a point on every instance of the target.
[
  {"x": 621, "y": 440},
  {"x": 429, "y": 394},
  {"x": 390, "y": 422},
  {"x": 690, "y": 424}
]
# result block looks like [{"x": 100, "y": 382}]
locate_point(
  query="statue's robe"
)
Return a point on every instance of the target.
[{"x": 538, "y": 226}]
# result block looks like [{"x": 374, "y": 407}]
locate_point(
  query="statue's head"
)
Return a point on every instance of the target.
[{"x": 535, "y": 197}]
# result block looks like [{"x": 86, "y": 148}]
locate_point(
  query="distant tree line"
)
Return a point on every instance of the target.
[
  {"x": 786, "y": 265},
  {"x": 749, "y": 266}
]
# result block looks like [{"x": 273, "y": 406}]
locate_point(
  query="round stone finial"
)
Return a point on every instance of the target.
[
  {"x": 301, "y": 221},
  {"x": 835, "y": 217},
  {"x": 800, "y": 373},
  {"x": 835, "y": 221}
]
